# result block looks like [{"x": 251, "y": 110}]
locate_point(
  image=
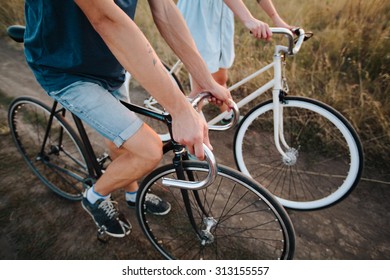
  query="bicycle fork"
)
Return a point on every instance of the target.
[
  {"x": 289, "y": 154},
  {"x": 203, "y": 231}
]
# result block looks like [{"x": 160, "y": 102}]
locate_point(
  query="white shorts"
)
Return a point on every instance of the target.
[{"x": 211, "y": 23}]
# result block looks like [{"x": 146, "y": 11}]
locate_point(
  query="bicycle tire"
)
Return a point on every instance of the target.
[
  {"x": 63, "y": 165},
  {"x": 328, "y": 153},
  {"x": 245, "y": 221}
]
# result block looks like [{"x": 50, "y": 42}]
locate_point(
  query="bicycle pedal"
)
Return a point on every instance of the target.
[
  {"x": 88, "y": 182},
  {"x": 102, "y": 236}
]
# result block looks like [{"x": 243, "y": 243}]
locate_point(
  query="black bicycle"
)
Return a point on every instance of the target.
[{"x": 217, "y": 212}]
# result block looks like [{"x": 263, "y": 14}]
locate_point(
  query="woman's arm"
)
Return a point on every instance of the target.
[
  {"x": 270, "y": 10},
  {"x": 258, "y": 28}
]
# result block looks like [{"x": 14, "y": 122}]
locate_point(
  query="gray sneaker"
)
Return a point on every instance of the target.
[
  {"x": 106, "y": 217},
  {"x": 154, "y": 205}
]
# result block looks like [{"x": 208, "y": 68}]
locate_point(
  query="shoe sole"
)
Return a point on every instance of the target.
[{"x": 103, "y": 229}]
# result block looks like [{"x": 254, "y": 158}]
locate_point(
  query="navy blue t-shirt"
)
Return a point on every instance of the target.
[{"x": 62, "y": 47}]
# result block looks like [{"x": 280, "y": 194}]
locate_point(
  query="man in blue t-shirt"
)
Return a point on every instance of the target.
[{"x": 79, "y": 51}]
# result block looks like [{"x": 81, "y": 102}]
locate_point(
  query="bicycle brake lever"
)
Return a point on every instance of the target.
[{"x": 308, "y": 34}]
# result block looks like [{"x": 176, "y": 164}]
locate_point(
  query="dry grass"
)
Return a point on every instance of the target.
[
  {"x": 11, "y": 12},
  {"x": 345, "y": 64}
]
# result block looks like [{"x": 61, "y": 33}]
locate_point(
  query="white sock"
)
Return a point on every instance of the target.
[
  {"x": 228, "y": 116},
  {"x": 93, "y": 196},
  {"x": 131, "y": 196}
]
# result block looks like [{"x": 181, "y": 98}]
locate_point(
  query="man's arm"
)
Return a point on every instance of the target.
[
  {"x": 130, "y": 47},
  {"x": 175, "y": 32},
  {"x": 133, "y": 51}
]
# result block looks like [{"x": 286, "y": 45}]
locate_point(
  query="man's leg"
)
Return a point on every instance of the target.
[
  {"x": 154, "y": 204},
  {"x": 138, "y": 155},
  {"x": 102, "y": 111}
]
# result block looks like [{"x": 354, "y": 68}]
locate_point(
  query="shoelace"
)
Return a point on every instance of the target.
[
  {"x": 108, "y": 207},
  {"x": 152, "y": 199}
]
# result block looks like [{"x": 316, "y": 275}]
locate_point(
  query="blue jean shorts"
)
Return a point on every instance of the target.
[{"x": 100, "y": 109}]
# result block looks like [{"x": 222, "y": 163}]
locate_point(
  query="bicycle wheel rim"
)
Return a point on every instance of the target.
[
  {"x": 307, "y": 184},
  {"x": 246, "y": 222},
  {"x": 63, "y": 166}
]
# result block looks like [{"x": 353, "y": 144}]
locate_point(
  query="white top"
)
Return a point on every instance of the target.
[{"x": 211, "y": 23}]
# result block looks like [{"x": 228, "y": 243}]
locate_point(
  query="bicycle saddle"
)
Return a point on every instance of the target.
[{"x": 16, "y": 32}]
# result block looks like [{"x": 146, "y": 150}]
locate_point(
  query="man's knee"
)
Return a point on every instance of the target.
[
  {"x": 154, "y": 153},
  {"x": 146, "y": 145}
]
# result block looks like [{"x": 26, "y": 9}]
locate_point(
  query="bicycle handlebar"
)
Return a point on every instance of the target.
[
  {"x": 192, "y": 185},
  {"x": 236, "y": 113},
  {"x": 292, "y": 48}
]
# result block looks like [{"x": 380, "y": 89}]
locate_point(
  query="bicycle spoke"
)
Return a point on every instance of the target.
[
  {"x": 323, "y": 169},
  {"x": 60, "y": 164},
  {"x": 232, "y": 219}
]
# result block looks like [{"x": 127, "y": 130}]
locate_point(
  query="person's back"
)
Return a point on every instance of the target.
[{"x": 62, "y": 47}]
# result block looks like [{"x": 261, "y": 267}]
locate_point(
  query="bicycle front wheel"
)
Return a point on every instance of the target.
[
  {"x": 234, "y": 218},
  {"x": 60, "y": 163},
  {"x": 326, "y": 153}
]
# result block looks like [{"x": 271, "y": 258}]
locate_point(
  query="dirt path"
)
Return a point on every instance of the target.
[{"x": 36, "y": 224}]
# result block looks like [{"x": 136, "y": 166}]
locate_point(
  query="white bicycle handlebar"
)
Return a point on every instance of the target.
[{"x": 292, "y": 48}]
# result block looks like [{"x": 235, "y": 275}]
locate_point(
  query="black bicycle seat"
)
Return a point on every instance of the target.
[{"x": 16, "y": 32}]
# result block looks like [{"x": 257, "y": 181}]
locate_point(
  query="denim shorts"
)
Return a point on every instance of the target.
[{"x": 100, "y": 109}]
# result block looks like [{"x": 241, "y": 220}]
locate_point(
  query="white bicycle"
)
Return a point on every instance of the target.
[{"x": 304, "y": 151}]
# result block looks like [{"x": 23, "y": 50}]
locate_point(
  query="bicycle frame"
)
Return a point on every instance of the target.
[
  {"x": 93, "y": 165},
  {"x": 277, "y": 84}
]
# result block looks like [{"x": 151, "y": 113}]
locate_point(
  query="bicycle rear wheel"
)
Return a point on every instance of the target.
[
  {"x": 61, "y": 164},
  {"x": 234, "y": 218},
  {"x": 326, "y": 151}
]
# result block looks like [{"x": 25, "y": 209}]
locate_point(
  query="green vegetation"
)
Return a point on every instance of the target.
[{"x": 345, "y": 64}]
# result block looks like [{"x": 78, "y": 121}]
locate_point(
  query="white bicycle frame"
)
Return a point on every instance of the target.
[{"x": 277, "y": 84}]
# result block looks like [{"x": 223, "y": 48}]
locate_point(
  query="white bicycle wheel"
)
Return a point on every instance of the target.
[{"x": 327, "y": 153}]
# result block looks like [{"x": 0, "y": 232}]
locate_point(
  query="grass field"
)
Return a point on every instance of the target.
[{"x": 345, "y": 64}]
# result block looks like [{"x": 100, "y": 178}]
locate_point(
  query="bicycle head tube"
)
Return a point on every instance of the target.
[{"x": 196, "y": 185}]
